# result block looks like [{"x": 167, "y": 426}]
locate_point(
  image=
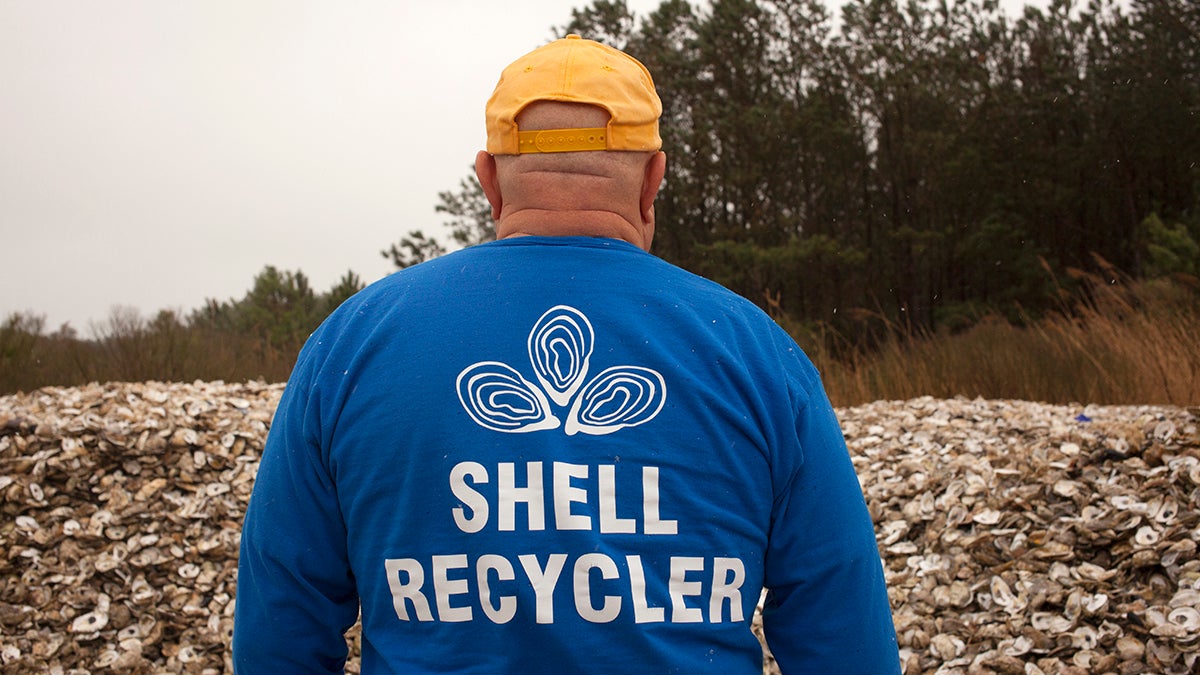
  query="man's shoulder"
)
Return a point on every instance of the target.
[{"x": 529, "y": 266}]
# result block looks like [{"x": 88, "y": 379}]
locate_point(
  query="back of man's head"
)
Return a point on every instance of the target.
[
  {"x": 574, "y": 70},
  {"x": 573, "y": 144}
]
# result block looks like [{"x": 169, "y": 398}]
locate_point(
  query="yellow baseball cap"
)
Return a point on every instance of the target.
[{"x": 575, "y": 70}]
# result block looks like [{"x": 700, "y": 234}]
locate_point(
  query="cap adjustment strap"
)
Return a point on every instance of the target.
[{"x": 562, "y": 140}]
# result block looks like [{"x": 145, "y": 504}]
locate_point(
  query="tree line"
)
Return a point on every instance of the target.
[
  {"x": 926, "y": 164},
  {"x": 256, "y": 336}
]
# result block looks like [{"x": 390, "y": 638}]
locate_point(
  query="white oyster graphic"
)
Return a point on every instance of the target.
[
  {"x": 499, "y": 398},
  {"x": 560, "y": 347},
  {"x": 621, "y": 396}
]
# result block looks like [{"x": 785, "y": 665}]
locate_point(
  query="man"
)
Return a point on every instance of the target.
[{"x": 555, "y": 451}]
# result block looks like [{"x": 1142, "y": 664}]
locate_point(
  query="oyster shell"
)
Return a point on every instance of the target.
[{"x": 1016, "y": 537}]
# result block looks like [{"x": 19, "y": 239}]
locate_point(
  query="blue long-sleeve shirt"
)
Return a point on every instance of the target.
[{"x": 558, "y": 454}]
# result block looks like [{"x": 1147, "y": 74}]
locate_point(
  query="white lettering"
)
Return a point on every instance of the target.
[
  {"x": 724, "y": 588},
  {"x": 566, "y": 494},
  {"x": 642, "y": 611},
  {"x": 410, "y": 591},
  {"x": 681, "y": 588},
  {"x": 444, "y": 587},
  {"x": 462, "y": 583},
  {"x": 583, "y": 588},
  {"x": 531, "y": 495},
  {"x": 609, "y": 522},
  {"x": 652, "y": 523},
  {"x": 543, "y": 582},
  {"x": 475, "y": 508},
  {"x": 504, "y": 572},
  {"x": 469, "y": 497}
]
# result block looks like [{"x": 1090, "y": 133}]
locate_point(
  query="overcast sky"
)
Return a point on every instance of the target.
[{"x": 155, "y": 154}]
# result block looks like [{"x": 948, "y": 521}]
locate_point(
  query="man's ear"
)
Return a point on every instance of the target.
[
  {"x": 656, "y": 169},
  {"x": 485, "y": 171}
]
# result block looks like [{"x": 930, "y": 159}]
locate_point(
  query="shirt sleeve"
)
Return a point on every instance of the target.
[
  {"x": 827, "y": 607},
  {"x": 296, "y": 594}
]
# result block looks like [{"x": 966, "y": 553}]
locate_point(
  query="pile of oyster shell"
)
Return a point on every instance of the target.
[{"x": 1017, "y": 537}]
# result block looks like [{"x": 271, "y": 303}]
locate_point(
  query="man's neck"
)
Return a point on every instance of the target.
[{"x": 547, "y": 223}]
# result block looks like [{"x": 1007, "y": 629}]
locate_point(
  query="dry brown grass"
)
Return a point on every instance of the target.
[
  {"x": 1124, "y": 343},
  {"x": 127, "y": 348}
]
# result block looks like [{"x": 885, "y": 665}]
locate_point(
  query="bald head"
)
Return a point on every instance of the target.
[{"x": 592, "y": 193}]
